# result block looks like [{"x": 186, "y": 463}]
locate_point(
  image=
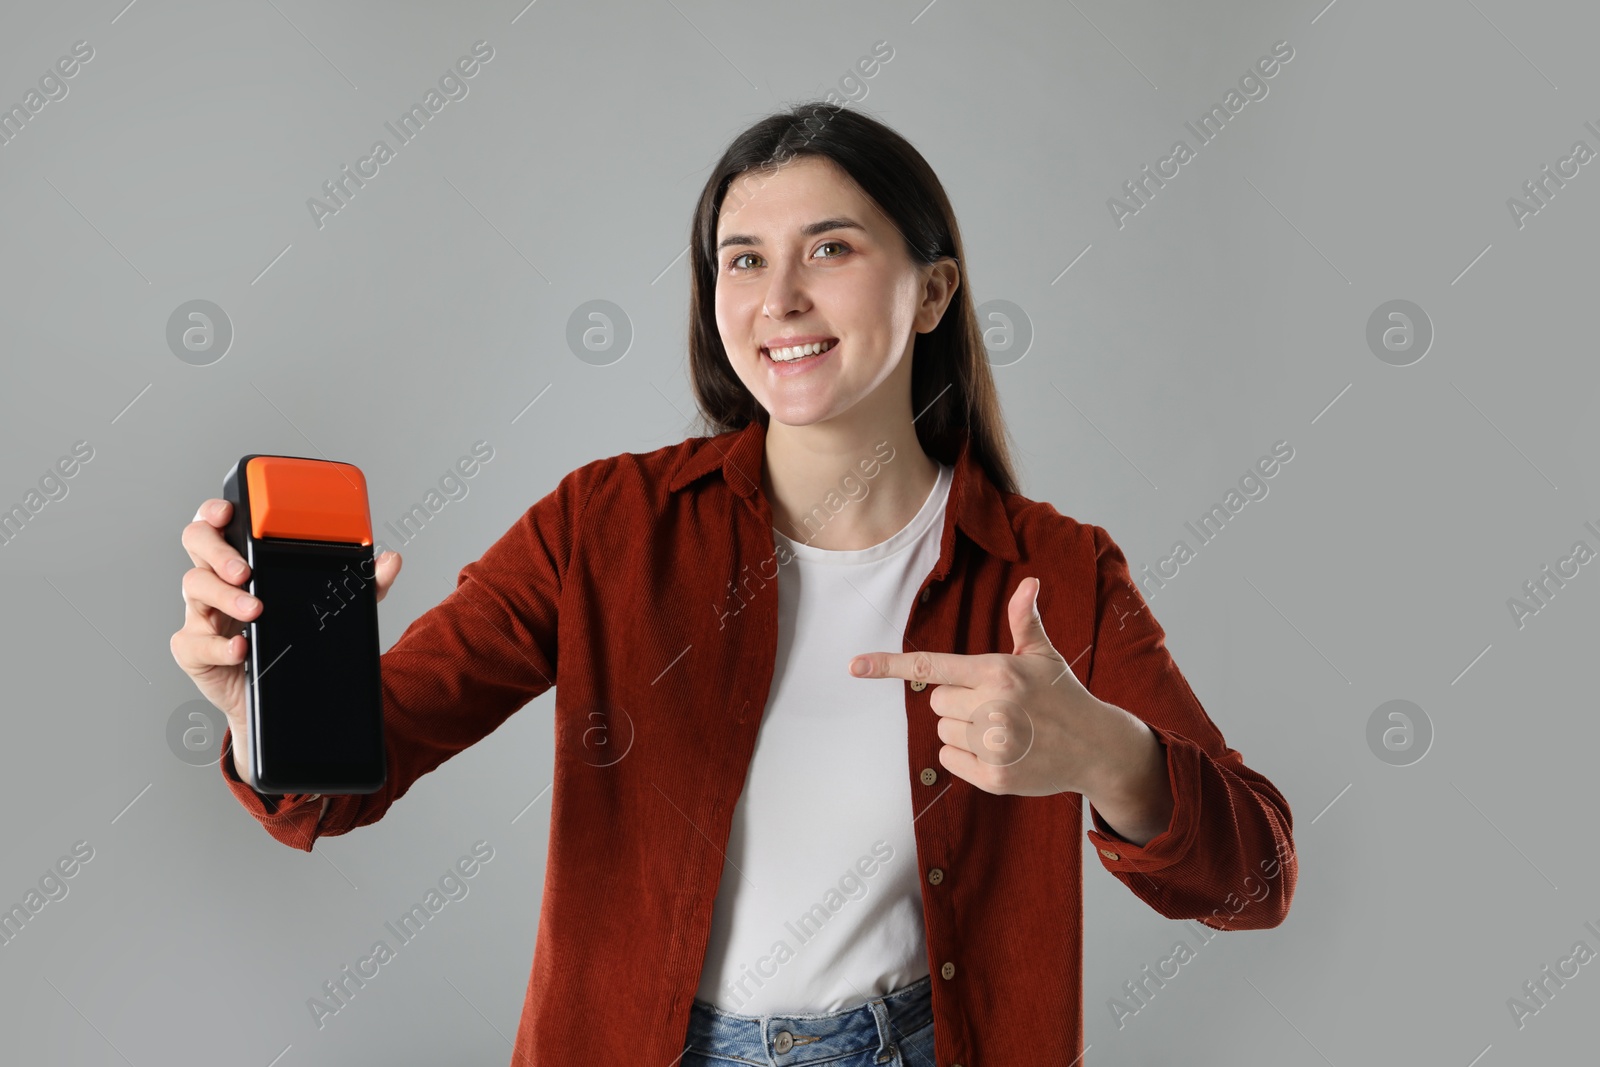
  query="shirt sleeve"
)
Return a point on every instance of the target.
[
  {"x": 458, "y": 671},
  {"x": 291, "y": 818},
  {"x": 1227, "y": 858}
]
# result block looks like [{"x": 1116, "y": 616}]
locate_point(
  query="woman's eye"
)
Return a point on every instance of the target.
[{"x": 734, "y": 265}]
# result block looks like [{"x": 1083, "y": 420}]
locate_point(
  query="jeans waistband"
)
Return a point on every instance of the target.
[{"x": 795, "y": 1038}]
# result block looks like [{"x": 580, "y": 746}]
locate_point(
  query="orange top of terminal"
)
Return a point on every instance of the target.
[{"x": 308, "y": 500}]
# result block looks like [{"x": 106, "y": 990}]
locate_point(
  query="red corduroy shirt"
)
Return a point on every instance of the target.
[{"x": 643, "y": 587}]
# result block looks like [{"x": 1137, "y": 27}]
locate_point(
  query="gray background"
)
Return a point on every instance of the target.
[{"x": 1228, "y": 314}]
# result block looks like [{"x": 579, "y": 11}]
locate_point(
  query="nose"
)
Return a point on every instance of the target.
[{"x": 784, "y": 292}]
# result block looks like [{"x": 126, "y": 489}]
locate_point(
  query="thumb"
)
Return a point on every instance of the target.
[
  {"x": 387, "y": 568},
  {"x": 1027, "y": 627}
]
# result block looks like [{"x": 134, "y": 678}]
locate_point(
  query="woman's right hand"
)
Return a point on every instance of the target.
[{"x": 211, "y": 645}]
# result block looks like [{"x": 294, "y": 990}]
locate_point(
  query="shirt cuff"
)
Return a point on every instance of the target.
[
  {"x": 282, "y": 815},
  {"x": 1118, "y": 854}
]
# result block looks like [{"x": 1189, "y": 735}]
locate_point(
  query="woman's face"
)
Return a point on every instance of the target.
[{"x": 803, "y": 255}]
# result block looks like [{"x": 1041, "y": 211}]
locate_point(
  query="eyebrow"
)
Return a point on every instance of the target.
[{"x": 810, "y": 230}]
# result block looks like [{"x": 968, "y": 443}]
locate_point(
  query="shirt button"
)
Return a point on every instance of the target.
[
  {"x": 919, "y": 686},
  {"x": 925, "y": 593},
  {"x": 1108, "y": 854},
  {"x": 929, "y": 776},
  {"x": 948, "y": 970},
  {"x": 935, "y": 876},
  {"x": 784, "y": 1041}
]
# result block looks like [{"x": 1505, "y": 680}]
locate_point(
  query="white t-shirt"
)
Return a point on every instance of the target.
[{"x": 820, "y": 903}]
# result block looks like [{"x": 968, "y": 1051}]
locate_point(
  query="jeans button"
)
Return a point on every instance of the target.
[{"x": 784, "y": 1042}]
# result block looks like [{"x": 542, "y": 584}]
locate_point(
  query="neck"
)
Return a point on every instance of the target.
[{"x": 845, "y": 487}]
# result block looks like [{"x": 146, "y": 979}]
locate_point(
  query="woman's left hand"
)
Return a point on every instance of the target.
[{"x": 1021, "y": 723}]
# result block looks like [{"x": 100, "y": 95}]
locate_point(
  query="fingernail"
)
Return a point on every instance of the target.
[
  {"x": 235, "y": 567},
  {"x": 859, "y": 667},
  {"x": 244, "y": 602}
]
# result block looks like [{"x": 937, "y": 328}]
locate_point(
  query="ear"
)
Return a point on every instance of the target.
[{"x": 941, "y": 280}]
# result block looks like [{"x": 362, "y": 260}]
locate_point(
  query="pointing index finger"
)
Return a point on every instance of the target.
[{"x": 938, "y": 668}]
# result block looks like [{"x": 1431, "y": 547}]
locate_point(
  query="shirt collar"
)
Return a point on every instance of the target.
[{"x": 739, "y": 454}]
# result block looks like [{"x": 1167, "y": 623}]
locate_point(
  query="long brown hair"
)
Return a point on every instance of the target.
[{"x": 952, "y": 388}]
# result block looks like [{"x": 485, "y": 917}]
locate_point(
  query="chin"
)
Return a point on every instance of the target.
[
  {"x": 791, "y": 416},
  {"x": 806, "y": 414}
]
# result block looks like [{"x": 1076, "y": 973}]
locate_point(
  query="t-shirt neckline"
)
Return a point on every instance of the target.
[{"x": 905, "y": 536}]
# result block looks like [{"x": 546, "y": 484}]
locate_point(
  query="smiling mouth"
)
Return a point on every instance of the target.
[{"x": 799, "y": 352}]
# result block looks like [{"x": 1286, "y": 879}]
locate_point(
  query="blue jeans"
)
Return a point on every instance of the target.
[{"x": 892, "y": 1030}]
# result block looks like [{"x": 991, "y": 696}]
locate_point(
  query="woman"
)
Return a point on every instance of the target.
[{"x": 742, "y": 869}]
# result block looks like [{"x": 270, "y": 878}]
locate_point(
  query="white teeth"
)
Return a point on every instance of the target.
[{"x": 786, "y": 355}]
